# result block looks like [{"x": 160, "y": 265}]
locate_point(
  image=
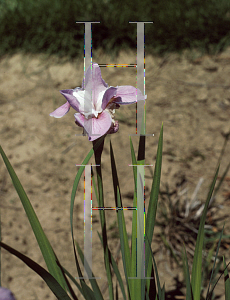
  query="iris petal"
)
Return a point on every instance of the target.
[
  {"x": 108, "y": 95},
  {"x": 95, "y": 127},
  {"x": 129, "y": 94},
  {"x": 61, "y": 111},
  {"x": 68, "y": 94},
  {"x": 94, "y": 84}
]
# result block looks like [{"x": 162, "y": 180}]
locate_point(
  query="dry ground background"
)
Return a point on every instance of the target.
[{"x": 190, "y": 95}]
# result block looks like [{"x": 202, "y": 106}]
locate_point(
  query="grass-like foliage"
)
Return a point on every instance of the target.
[
  {"x": 49, "y": 26},
  {"x": 137, "y": 286}
]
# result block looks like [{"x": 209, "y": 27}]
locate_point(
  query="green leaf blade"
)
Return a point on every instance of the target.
[
  {"x": 226, "y": 282},
  {"x": 152, "y": 209},
  {"x": 52, "y": 283},
  {"x": 43, "y": 242},
  {"x": 189, "y": 295},
  {"x": 116, "y": 270},
  {"x": 96, "y": 293},
  {"x": 197, "y": 260},
  {"x": 126, "y": 258},
  {"x": 73, "y": 194}
]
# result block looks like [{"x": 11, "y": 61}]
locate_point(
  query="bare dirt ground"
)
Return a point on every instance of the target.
[{"x": 190, "y": 95}]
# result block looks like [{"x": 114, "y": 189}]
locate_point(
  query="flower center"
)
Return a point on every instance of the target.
[
  {"x": 91, "y": 114},
  {"x": 87, "y": 106}
]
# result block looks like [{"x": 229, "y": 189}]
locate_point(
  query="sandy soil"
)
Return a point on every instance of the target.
[{"x": 190, "y": 95}]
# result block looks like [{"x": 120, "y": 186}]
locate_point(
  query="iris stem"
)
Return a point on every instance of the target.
[{"x": 97, "y": 155}]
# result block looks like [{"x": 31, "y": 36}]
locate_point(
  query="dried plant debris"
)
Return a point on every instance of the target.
[{"x": 179, "y": 220}]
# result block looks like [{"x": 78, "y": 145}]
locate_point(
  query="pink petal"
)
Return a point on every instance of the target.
[
  {"x": 61, "y": 111},
  {"x": 68, "y": 94},
  {"x": 109, "y": 93},
  {"x": 94, "y": 82},
  {"x": 129, "y": 94},
  {"x": 6, "y": 294},
  {"x": 95, "y": 127}
]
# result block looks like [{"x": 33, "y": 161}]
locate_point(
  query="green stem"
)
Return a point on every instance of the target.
[{"x": 97, "y": 155}]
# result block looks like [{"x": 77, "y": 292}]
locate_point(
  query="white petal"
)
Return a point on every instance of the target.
[
  {"x": 99, "y": 101},
  {"x": 85, "y": 102}
]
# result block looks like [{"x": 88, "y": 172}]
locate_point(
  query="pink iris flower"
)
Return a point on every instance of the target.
[{"x": 95, "y": 103}]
